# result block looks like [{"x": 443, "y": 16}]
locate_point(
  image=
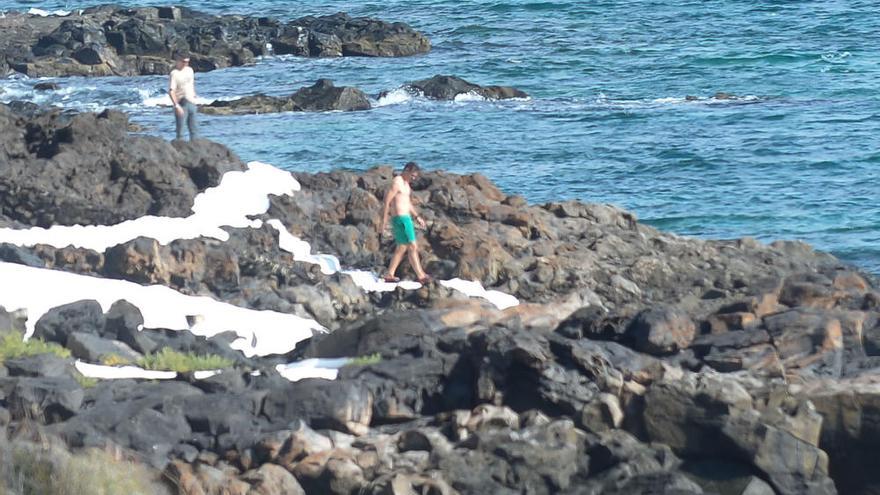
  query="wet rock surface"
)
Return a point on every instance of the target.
[
  {"x": 442, "y": 87},
  {"x": 638, "y": 362},
  {"x": 112, "y": 40},
  {"x": 323, "y": 96}
]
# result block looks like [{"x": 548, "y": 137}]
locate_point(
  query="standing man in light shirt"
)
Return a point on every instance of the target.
[{"x": 182, "y": 89}]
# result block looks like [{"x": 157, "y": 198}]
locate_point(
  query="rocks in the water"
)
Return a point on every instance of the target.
[
  {"x": 47, "y": 86},
  {"x": 323, "y": 96},
  {"x": 66, "y": 155},
  {"x": 448, "y": 87},
  {"x": 111, "y": 40}
]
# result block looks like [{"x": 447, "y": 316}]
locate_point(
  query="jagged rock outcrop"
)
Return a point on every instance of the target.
[
  {"x": 323, "y": 96},
  {"x": 442, "y": 87},
  {"x": 112, "y": 40},
  {"x": 86, "y": 169}
]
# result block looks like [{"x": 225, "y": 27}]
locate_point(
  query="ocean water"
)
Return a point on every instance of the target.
[{"x": 795, "y": 156}]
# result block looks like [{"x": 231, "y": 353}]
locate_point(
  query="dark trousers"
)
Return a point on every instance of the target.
[{"x": 190, "y": 110}]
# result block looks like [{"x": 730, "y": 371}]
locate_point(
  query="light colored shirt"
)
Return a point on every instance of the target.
[{"x": 183, "y": 84}]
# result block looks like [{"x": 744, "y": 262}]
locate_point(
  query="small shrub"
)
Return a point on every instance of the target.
[
  {"x": 115, "y": 360},
  {"x": 85, "y": 381},
  {"x": 13, "y": 345},
  {"x": 366, "y": 360},
  {"x": 171, "y": 360},
  {"x": 32, "y": 469}
]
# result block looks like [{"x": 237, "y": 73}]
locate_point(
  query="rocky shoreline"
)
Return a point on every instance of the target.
[
  {"x": 636, "y": 361},
  {"x": 111, "y": 40}
]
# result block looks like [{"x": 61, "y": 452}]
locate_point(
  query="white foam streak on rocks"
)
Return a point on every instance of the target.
[
  {"x": 475, "y": 289},
  {"x": 121, "y": 372},
  {"x": 38, "y": 290},
  {"x": 370, "y": 282},
  {"x": 327, "y": 369},
  {"x": 239, "y": 195},
  {"x": 46, "y": 13}
]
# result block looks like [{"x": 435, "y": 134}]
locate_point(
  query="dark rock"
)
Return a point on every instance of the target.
[
  {"x": 47, "y": 86},
  {"x": 323, "y": 96},
  {"x": 42, "y": 365},
  {"x": 14, "y": 321},
  {"x": 49, "y": 400},
  {"x": 80, "y": 317},
  {"x": 123, "y": 319},
  {"x": 15, "y": 254},
  {"x": 662, "y": 331},
  {"x": 367, "y": 37},
  {"x": 140, "y": 175},
  {"x": 342, "y": 406},
  {"x": 112, "y": 40},
  {"x": 448, "y": 87},
  {"x": 94, "y": 349}
]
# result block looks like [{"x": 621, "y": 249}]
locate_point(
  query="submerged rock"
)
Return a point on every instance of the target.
[
  {"x": 448, "y": 87},
  {"x": 323, "y": 96}
]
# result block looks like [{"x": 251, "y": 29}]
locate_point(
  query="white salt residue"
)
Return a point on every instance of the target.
[
  {"x": 239, "y": 195},
  {"x": 370, "y": 282},
  {"x": 121, "y": 372},
  {"x": 302, "y": 250},
  {"x": 202, "y": 375},
  {"x": 37, "y": 290},
  {"x": 327, "y": 369},
  {"x": 475, "y": 289},
  {"x": 46, "y": 13}
]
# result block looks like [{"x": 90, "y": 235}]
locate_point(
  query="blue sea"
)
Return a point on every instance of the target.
[{"x": 794, "y": 156}]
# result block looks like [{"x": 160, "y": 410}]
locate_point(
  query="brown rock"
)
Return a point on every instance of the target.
[{"x": 272, "y": 479}]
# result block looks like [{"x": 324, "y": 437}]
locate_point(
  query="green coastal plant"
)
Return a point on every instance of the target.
[
  {"x": 366, "y": 360},
  {"x": 182, "y": 362},
  {"x": 13, "y": 345},
  {"x": 33, "y": 469}
]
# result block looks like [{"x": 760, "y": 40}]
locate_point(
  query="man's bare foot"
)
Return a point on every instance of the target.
[
  {"x": 391, "y": 279},
  {"x": 424, "y": 279}
]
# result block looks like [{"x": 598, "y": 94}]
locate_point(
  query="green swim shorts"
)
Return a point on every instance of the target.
[{"x": 404, "y": 230}]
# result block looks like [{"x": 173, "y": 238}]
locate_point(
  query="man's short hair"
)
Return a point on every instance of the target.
[
  {"x": 181, "y": 56},
  {"x": 411, "y": 167}
]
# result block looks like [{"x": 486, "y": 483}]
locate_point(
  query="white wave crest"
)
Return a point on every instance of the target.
[
  {"x": 396, "y": 97},
  {"x": 469, "y": 96}
]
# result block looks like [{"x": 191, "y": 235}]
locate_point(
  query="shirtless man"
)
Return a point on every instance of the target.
[
  {"x": 182, "y": 89},
  {"x": 402, "y": 223}
]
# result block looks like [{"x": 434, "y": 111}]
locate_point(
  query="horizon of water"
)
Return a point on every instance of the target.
[{"x": 794, "y": 157}]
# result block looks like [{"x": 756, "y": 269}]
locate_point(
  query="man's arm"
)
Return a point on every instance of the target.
[
  {"x": 389, "y": 196},
  {"x": 415, "y": 213}
]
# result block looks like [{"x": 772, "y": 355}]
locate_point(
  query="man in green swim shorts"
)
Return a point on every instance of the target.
[{"x": 399, "y": 200}]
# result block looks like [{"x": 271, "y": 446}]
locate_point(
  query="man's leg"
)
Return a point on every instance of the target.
[
  {"x": 414, "y": 260},
  {"x": 396, "y": 259},
  {"x": 191, "y": 120},
  {"x": 178, "y": 119}
]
